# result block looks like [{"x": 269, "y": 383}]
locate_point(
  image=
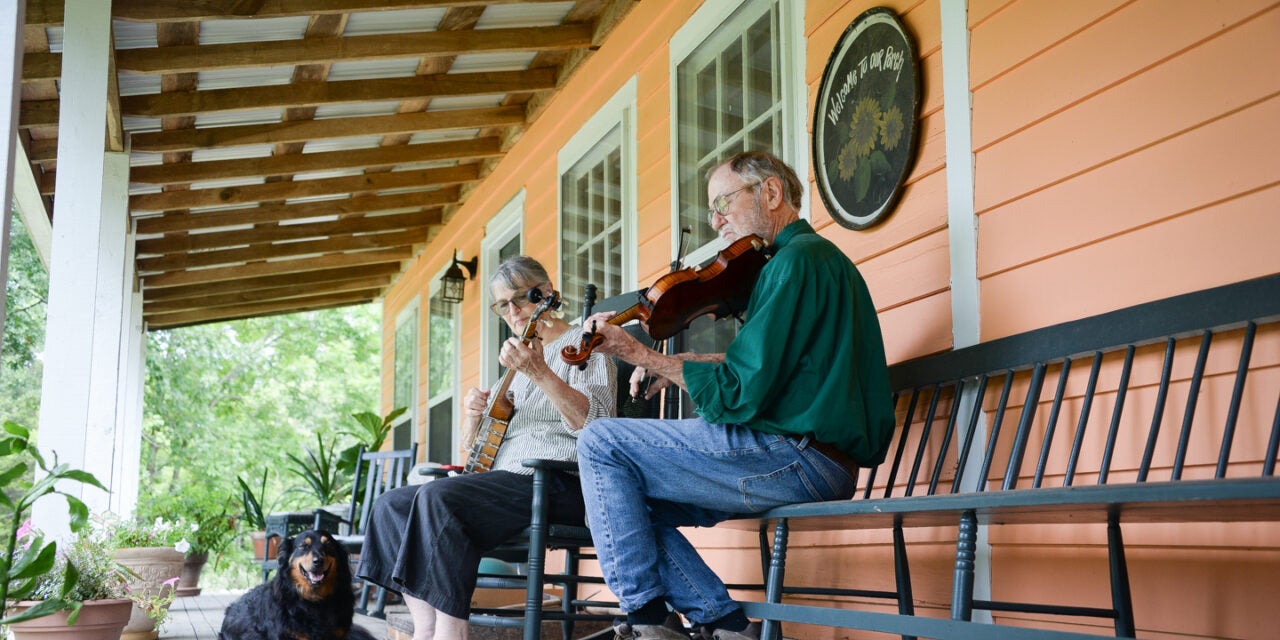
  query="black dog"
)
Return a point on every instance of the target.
[{"x": 310, "y": 596}]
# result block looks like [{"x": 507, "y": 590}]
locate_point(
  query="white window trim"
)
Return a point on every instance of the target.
[
  {"x": 508, "y": 223},
  {"x": 795, "y": 94},
  {"x": 402, "y": 317},
  {"x": 457, "y": 370},
  {"x": 620, "y": 109}
]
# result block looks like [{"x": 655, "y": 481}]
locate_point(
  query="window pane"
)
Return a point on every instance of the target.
[
  {"x": 403, "y": 378},
  {"x": 440, "y": 432},
  {"x": 440, "y": 356},
  {"x": 730, "y": 101},
  {"x": 591, "y": 251},
  {"x": 510, "y": 249}
]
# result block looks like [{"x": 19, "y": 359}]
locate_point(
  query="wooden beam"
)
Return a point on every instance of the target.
[
  {"x": 263, "y": 295},
  {"x": 308, "y": 130},
  {"x": 307, "y": 94},
  {"x": 300, "y": 281},
  {"x": 279, "y": 212},
  {"x": 222, "y": 274},
  {"x": 37, "y": 66},
  {"x": 290, "y": 305},
  {"x": 299, "y": 189},
  {"x": 267, "y": 234},
  {"x": 115, "y": 125},
  {"x": 43, "y": 150},
  {"x": 208, "y": 57},
  {"x": 171, "y": 11},
  {"x": 314, "y": 162},
  {"x": 37, "y": 113},
  {"x": 333, "y": 244}
]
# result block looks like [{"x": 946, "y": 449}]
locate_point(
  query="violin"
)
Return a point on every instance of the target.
[{"x": 721, "y": 288}]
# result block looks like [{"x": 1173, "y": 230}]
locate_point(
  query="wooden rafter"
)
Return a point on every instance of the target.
[
  {"x": 301, "y": 131},
  {"x": 239, "y": 213},
  {"x": 329, "y": 93}
]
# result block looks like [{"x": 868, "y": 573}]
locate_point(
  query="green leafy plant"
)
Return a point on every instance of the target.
[
  {"x": 206, "y": 513},
  {"x": 139, "y": 531},
  {"x": 320, "y": 471},
  {"x": 22, "y": 568},
  {"x": 374, "y": 430},
  {"x": 255, "y": 517},
  {"x": 97, "y": 575},
  {"x": 371, "y": 435}
]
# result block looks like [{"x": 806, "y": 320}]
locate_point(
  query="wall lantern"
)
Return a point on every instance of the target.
[{"x": 453, "y": 280}]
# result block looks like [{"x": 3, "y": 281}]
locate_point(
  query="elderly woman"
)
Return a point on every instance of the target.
[{"x": 426, "y": 541}]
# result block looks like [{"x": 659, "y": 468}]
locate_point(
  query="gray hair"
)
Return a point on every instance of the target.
[
  {"x": 758, "y": 166},
  {"x": 519, "y": 272}
]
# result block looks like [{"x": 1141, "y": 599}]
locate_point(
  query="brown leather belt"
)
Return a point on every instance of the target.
[{"x": 838, "y": 456}]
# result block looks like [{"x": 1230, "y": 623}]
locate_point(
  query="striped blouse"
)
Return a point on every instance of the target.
[{"x": 537, "y": 430}]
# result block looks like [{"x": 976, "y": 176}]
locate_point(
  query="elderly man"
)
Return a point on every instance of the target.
[{"x": 799, "y": 400}]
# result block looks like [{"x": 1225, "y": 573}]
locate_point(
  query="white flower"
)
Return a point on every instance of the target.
[
  {"x": 182, "y": 546},
  {"x": 195, "y": 526}
]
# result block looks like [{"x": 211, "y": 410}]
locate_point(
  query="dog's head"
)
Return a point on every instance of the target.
[{"x": 315, "y": 564}]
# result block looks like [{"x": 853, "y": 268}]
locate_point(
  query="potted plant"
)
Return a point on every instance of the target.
[
  {"x": 254, "y": 517},
  {"x": 38, "y": 586},
  {"x": 207, "y": 524},
  {"x": 320, "y": 471},
  {"x": 85, "y": 576},
  {"x": 153, "y": 551}
]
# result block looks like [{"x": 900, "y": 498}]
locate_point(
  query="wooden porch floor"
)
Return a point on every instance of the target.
[{"x": 200, "y": 617}]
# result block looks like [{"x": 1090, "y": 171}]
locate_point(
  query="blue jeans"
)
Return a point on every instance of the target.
[{"x": 641, "y": 479}]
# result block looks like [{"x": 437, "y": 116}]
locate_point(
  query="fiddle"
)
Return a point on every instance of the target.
[{"x": 721, "y": 288}]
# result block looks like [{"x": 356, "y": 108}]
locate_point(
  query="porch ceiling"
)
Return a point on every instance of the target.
[{"x": 289, "y": 155}]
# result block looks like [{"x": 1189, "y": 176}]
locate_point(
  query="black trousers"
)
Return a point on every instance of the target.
[{"x": 426, "y": 541}]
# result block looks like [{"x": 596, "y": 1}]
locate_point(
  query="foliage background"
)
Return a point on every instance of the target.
[{"x": 220, "y": 400}]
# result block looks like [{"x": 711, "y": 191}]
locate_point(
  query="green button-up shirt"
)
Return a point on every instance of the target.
[{"x": 809, "y": 358}]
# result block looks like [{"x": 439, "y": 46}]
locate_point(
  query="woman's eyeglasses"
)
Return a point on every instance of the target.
[{"x": 529, "y": 297}]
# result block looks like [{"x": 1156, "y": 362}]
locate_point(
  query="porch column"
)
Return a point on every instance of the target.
[
  {"x": 11, "y": 21},
  {"x": 133, "y": 374},
  {"x": 82, "y": 337},
  {"x": 962, "y": 229}
]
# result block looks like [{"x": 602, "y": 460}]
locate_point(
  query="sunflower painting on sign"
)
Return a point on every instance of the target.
[{"x": 865, "y": 120}]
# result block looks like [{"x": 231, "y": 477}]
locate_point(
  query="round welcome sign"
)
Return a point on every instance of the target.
[{"x": 864, "y": 123}]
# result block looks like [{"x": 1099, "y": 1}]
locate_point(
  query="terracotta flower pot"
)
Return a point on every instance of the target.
[
  {"x": 260, "y": 545},
  {"x": 189, "y": 584},
  {"x": 154, "y": 566},
  {"x": 99, "y": 620}
]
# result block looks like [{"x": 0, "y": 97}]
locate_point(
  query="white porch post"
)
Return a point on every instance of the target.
[
  {"x": 10, "y": 89},
  {"x": 133, "y": 375},
  {"x": 962, "y": 229},
  {"x": 83, "y": 329}
]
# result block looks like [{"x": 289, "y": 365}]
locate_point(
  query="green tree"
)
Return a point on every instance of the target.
[
  {"x": 26, "y": 299},
  {"x": 229, "y": 398}
]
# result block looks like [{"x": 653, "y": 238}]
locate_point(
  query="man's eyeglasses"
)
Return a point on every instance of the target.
[
  {"x": 720, "y": 203},
  {"x": 503, "y": 307}
]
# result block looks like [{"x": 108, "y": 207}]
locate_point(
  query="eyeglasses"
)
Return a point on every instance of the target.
[
  {"x": 720, "y": 203},
  {"x": 504, "y": 307}
]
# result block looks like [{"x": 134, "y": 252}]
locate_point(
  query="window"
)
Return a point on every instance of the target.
[
  {"x": 734, "y": 91},
  {"x": 596, "y": 194},
  {"x": 441, "y": 378},
  {"x": 502, "y": 240},
  {"x": 738, "y": 70},
  {"x": 404, "y": 381}
]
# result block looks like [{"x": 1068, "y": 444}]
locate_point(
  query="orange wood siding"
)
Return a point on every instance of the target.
[{"x": 1123, "y": 152}]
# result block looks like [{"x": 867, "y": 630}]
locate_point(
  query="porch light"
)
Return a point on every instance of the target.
[{"x": 453, "y": 280}]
